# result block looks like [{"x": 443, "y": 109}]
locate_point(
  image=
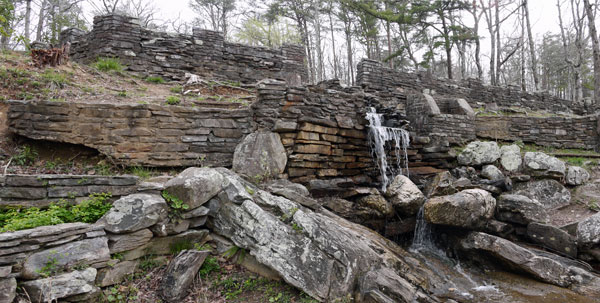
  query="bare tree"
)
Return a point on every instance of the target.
[
  {"x": 534, "y": 71},
  {"x": 217, "y": 12},
  {"x": 595, "y": 49}
]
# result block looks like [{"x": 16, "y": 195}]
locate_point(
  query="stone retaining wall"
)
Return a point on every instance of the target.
[
  {"x": 376, "y": 78},
  {"x": 172, "y": 55},
  {"x": 41, "y": 190},
  {"x": 137, "y": 134},
  {"x": 560, "y": 132}
]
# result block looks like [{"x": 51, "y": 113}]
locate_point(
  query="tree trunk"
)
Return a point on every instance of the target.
[
  {"x": 522, "y": 42},
  {"x": 534, "y": 71},
  {"x": 349, "y": 50},
  {"x": 596, "y": 51},
  {"x": 40, "y": 25},
  {"x": 498, "y": 43},
  {"x": 333, "y": 49},
  {"x": 27, "y": 20}
]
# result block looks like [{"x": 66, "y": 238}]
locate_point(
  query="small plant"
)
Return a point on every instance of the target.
[
  {"x": 103, "y": 169},
  {"x": 108, "y": 64},
  {"x": 55, "y": 78},
  {"x": 180, "y": 246},
  {"x": 202, "y": 247},
  {"x": 51, "y": 267},
  {"x": 173, "y": 100},
  {"x": 117, "y": 256},
  {"x": 157, "y": 80},
  {"x": 122, "y": 93},
  {"x": 26, "y": 156},
  {"x": 121, "y": 294},
  {"x": 288, "y": 216},
  {"x": 140, "y": 171},
  {"x": 176, "y": 89},
  {"x": 594, "y": 206},
  {"x": 211, "y": 264},
  {"x": 149, "y": 262},
  {"x": 176, "y": 206},
  {"x": 249, "y": 190}
]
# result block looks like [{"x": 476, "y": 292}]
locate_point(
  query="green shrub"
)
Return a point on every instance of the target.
[
  {"x": 88, "y": 211},
  {"x": 176, "y": 206},
  {"x": 211, "y": 264},
  {"x": 108, "y": 64},
  {"x": 176, "y": 89},
  {"x": 53, "y": 77},
  {"x": 173, "y": 100},
  {"x": 157, "y": 80}
]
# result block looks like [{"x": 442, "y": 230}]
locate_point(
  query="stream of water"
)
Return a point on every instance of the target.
[{"x": 379, "y": 135}]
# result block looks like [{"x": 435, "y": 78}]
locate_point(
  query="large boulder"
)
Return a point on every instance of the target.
[
  {"x": 260, "y": 155},
  {"x": 550, "y": 193},
  {"x": 405, "y": 196},
  {"x": 134, "y": 212},
  {"x": 577, "y": 175},
  {"x": 293, "y": 191},
  {"x": 65, "y": 285},
  {"x": 588, "y": 231},
  {"x": 180, "y": 274},
  {"x": 510, "y": 157},
  {"x": 318, "y": 252},
  {"x": 540, "y": 164},
  {"x": 84, "y": 252},
  {"x": 471, "y": 208},
  {"x": 477, "y": 153},
  {"x": 195, "y": 186},
  {"x": 378, "y": 203},
  {"x": 520, "y": 209}
]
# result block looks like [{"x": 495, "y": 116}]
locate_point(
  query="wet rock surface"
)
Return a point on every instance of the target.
[
  {"x": 470, "y": 208},
  {"x": 405, "y": 196}
]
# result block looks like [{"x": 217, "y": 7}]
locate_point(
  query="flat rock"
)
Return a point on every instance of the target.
[
  {"x": 553, "y": 238},
  {"x": 123, "y": 242},
  {"x": 164, "y": 245},
  {"x": 61, "y": 286},
  {"x": 441, "y": 185},
  {"x": 293, "y": 191},
  {"x": 195, "y": 186},
  {"x": 116, "y": 273},
  {"x": 542, "y": 268},
  {"x": 405, "y": 196},
  {"x": 541, "y": 164},
  {"x": 134, "y": 212},
  {"x": 477, "y": 153},
  {"x": 83, "y": 252},
  {"x": 180, "y": 274},
  {"x": 492, "y": 173},
  {"x": 470, "y": 208}
]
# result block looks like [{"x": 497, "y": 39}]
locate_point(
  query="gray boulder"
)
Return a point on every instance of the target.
[
  {"x": 576, "y": 175},
  {"x": 588, "y": 231},
  {"x": 317, "y": 252},
  {"x": 510, "y": 157},
  {"x": 134, "y": 212},
  {"x": 180, "y": 274},
  {"x": 540, "y": 164},
  {"x": 540, "y": 267},
  {"x": 492, "y": 173},
  {"x": 553, "y": 238},
  {"x": 477, "y": 153},
  {"x": 550, "y": 193},
  {"x": 78, "y": 253},
  {"x": 195, "y": 186},
  {"x": 65, "y": 285},
  {"x": 405, "y": 196},
  {"x": 116, "y": 273},
  {"x": 8, "y": 289},
  {"x": 519, "y": 209},
  {"x": 471, "y": 208},
  {"x": 378, "y": 203},
  {"x": 260, "y": 155}
]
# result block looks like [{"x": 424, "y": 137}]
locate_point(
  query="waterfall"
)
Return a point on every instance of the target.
[
  {"x": 378, "y": 136},
  {"x": 423, "y": 237}
]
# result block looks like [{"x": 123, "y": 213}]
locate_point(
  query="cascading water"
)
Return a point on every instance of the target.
[
  {"x": 423, "y": 237},
  {"x": 378, "y": 136}
]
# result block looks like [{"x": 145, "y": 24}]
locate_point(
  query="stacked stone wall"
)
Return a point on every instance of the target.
[
  {"x": 41, "y": 190},
  {"x": 172, "y": 55},
  {"x": 560, "y": 132},
  {"x": 376, "y": 78},
  {"x": 137, "y": 134}
]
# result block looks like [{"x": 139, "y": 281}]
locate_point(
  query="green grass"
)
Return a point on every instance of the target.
[
  {"x": 173, "y": 100},
  {"x": 88, "y": 211},
  {"x": 176, "y": 89},
  {"x": 211, "y": 264},
  {"x": 157, "y": 80},
  {"x": 140, "y": 171},
  {"x": 108, "y": 64},
  {"x": 51, "y": 76}
]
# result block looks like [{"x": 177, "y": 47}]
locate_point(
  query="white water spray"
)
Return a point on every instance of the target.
[{"x": 378, "y": 136}]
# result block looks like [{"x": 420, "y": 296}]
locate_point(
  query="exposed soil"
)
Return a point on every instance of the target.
[{"x": 585, "y": 201}]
